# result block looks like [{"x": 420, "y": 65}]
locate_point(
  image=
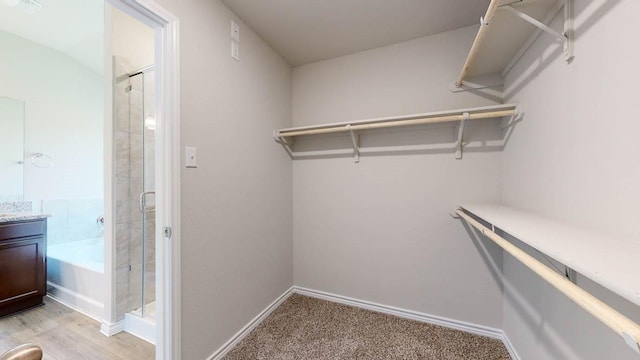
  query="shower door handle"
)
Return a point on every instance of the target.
[{"x": 143, "y": 200}]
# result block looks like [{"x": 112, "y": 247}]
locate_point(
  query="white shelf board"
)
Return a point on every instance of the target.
[
  {"x": 506, "y": 35},
  {"x": 611, "y": 261},
  {"x": 480, "y": 109}
]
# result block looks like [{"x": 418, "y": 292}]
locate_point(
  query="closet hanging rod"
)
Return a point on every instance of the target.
[
  {"x": 623, "y": 326},
  {"x": 484, "y": 24},
  {"x": 440, "y": 117},
  {"x": 419, "y": 121}
]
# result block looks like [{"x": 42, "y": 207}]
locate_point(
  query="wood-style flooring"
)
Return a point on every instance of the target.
[{"x": 65, "y": 334}]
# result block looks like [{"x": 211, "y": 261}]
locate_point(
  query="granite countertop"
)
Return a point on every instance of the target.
[{"x": 21, "y": 216}]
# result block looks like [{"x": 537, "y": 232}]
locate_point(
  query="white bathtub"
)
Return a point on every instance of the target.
[{"x": 75, "y": 275}]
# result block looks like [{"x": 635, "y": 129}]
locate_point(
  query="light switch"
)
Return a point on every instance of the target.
[{"x": 191, "y": 157}]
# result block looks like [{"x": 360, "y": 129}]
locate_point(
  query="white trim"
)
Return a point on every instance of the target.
[
  {"x": 168, "y": 290},
  {"x": 368, "y": 305},
  {"x": 142, "y": 328},
  {"x": 167, "y": 65},
  {"x": 80, "y": 299},
  {"x": 403, "y": 313},
  {"x": 109, "y": 296},
  {"x": 231, "y": 343},
  {"x": 510, "y": 348},
  {"x": 110, "y": 329},
  {"x": 414, "y": 315},
  {"x": 73, "y": 307}
]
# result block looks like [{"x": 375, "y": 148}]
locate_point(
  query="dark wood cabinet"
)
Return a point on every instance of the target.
[{"x": 23, "y": 270}]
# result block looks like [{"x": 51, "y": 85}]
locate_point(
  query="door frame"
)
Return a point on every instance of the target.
[{"x": 167, "y": 162}]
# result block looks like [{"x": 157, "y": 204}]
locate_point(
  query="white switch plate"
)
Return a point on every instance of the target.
[
  {"x": 235, "y": 31},
  {"x": 191, "y": 157},
  {"x": 235, "y": 50}
]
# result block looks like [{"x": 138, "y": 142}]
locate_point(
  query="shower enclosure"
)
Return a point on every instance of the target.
[{"x": 135, "y": 196}]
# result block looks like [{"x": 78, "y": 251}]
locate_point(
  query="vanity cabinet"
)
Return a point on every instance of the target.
[{"x": 23, "y": 270}]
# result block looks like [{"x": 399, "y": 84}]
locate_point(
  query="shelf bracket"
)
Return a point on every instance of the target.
[
  {"x": 513, "y": 119},
  {"x": 564, "y": 37},
  {"x": 286, "y": 144},
  {"x": 479, "y": 83},
  {"x": 571, "y": 274},
  {"x": 535, "y": 22},
  {"x": 465, "y": 117},
  {"x": 568, "y": 30},
  {"x": 631, "y": 341},
  {"x": 355, "y": 140}
]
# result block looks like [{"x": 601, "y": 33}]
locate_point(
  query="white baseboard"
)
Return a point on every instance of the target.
[
  {"x": 403, "y": 313},
  {"x": 510, "y": 348},
  {"x": 63, "y": 295},
  {"x": 385, "y": 309},
  {"x": 414, "y": 315},
  {"x": 142, "y": 328},
  {"x": 110, "y": 329},
  {"x": 75, "y": 301},
  {"x": 231, "y": 343}
]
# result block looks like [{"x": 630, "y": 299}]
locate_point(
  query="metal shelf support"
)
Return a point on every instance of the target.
[
  {"x": 286, "y": 144},
  {"x": 533, "y": 21},
  {"x": 355, "y": 140},
  {"x": 465, "y": 117},
  {"x": 565, "y": 37}
]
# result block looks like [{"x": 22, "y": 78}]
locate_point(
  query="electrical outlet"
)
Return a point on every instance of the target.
[
  {"x": 235, "y": 50},
  {"x": 235, "y": 31}
]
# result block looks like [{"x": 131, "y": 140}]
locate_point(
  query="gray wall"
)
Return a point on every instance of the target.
[
  {"x": 380, "y": 230},
  {"x": 236, "y": 206},
  {"x": 574, "y": 158}
]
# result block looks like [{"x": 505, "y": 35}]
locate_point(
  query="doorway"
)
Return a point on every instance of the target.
[
  {"x": 159, "y": 192},
  {"x": 134, "y": 125}
]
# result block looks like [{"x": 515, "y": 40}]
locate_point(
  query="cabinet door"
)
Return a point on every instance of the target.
[{"x": 21, "y": 269}]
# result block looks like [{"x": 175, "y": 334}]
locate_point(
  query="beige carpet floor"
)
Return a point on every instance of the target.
[{"x": 308, "y": 328}]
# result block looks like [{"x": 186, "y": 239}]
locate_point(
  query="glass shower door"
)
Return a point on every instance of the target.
[
  {"x": 149, "y": 210},
  {"x": 142, "y": 188}
]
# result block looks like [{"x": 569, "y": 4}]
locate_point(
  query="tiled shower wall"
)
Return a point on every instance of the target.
[{"x": 130, "y": 183}]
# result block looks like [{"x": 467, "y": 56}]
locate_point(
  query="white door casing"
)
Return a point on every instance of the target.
[{"x": 167, "y": 164}]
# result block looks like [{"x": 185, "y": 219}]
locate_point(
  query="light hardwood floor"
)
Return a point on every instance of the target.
[{"x": 65, "y": 334}]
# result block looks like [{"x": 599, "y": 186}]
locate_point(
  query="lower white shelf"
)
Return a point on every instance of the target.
[
  {"x": 605, "y": 258},
  {"x": 597, "y": 256}
]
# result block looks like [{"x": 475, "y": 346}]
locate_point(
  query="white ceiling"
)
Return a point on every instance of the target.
[
  {"x": 74, "y": 27},
  {"x": 305, "y": 31}
]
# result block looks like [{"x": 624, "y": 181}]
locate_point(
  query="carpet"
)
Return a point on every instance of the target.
[{"x": 307, "y": 328}]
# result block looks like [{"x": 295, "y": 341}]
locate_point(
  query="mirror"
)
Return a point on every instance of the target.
[{"x": 11, "y": 149}]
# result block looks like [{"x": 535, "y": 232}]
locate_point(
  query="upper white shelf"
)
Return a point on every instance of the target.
[
  {"x": 507, "y": 30},
  {"x": 605, "y": 258},
  {"x": 484, "y": 112},
  {"x": 459, "y": 116}
]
